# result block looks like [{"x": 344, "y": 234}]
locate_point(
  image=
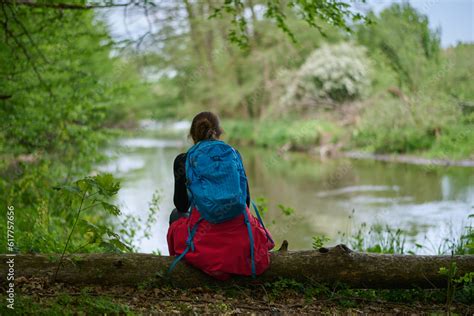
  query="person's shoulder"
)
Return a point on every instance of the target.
[
  {"x": 237, "y": 151},
  {"x": 181, "y": 158}
]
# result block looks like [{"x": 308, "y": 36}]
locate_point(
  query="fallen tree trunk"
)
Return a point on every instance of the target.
[{"x": 326, "y": 265}]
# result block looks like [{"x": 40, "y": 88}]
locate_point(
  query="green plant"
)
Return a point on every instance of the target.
[
  {"x": 296, "y": 133},
  {"x": 462, "y": 244},
  {"x": 134, "y": 229},
  {"x": 450, "y": 273},
  {"x": 86, "y": 194},
  {"x": 286, "y": 209},
  {"x": 457, "y": 284},
  {"x": 319, "y": 241},
  {"x": 262, "y": 205},
  {"x": 279, "y": 287},
  {"x": 377, "y": 238},
  {"x": 402, "y": 39}
]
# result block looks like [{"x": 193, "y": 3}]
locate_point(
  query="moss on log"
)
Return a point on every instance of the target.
[{"x": 326, "y": 265}]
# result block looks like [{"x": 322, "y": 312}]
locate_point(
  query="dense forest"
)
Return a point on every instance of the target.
[{"x": 313, "y": 76}]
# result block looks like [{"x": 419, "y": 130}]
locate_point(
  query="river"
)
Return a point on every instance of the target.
[{"x": 332, "y": 198}]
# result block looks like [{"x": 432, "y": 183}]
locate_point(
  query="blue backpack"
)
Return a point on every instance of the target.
[{"x": 217, "y": 187}]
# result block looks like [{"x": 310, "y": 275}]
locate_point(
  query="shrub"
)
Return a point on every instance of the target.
[
  {"x": 394, "y": 125},
  {"x": 276, "y": 133},
  {"x": 337, "y": 72}
]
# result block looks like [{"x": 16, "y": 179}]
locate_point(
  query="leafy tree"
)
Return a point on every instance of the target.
[
  {"x": 59, "y": 87},
  {"x": 400, "y": 36}
]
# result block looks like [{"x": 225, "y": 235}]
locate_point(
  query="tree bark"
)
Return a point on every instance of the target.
[{"x": 326, "y": 265}]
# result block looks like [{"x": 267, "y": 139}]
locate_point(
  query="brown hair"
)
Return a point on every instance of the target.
[{"x": 205, "y": 125}]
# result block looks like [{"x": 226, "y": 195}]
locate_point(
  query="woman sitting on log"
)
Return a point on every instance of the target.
[{"x": 211, "y": 226}]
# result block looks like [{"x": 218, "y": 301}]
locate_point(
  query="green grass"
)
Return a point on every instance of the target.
[
  {"x": 347, "y": 297},
  {"x": 65, "y": 305},
  {"x": 299, "y": 134},
  {"x": 453, "y": 142}
]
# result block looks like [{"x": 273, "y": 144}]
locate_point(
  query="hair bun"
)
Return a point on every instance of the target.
[{"x": 205, "y": 125}]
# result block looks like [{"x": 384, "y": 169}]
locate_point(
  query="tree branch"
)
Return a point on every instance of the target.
[{"x": 64, "y": 6}]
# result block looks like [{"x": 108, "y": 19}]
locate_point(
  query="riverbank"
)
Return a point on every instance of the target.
[
  {"x": 327, "y": 139},
  {"x": 408, "y": 159}
]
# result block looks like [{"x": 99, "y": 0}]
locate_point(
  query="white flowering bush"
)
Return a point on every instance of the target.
[{"x": 337, "y": 72}]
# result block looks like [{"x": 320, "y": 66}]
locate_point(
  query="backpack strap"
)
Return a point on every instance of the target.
[
  {"x": 252, "y": 244},
  {"x": 261, "y": 221},
  {"x": 189, "y": 243}
]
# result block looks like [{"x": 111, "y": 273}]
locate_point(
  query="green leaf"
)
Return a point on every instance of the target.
[
  {"x": 319, "y": 241},
  {"x": 85, "y": 185},
  {"x": 443, "y": 271},
  {"x": 68, "y": 188},
  {"x": 110, "y": 208},
  {"x": 120, "y": 245},
  {"x": 92, "y": 227},
  {"x": 115, "y": 245},
  {"x": 286, "y": 210},
  {"x": 106, "y": 184}
]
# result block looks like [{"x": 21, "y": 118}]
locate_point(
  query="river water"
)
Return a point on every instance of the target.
[{"x": 332, "y": 198}]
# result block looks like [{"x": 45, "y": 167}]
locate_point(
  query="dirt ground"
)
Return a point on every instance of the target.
[{"x": 37, "y": 296}]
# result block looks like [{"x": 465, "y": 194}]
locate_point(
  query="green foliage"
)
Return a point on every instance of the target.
[
  {"x": 431, "y": 111},
  {"x": 424, "y": 119},
  {"x": 460, "y": 288},
  {"x": 208, "y": 72},
  {"x": 319, "y": 241},
  {"x": 274, "y": 134},
  {"x": 400, "y": 37},
  {"x": 344, "y": 296},
  {"x": 314, "y": 13},
  {"x": 85, "y": 195},
  {"x": 60, "y": 91},
  {"x": 76, "y": 215},
  {"x": 385, "y": 239},
  {"x": 377, "y": 238},
  {"x": 464, "y": 243},
  {"x": 420, "y": 100},
  {"x": 134, "y": 229},
  {"x": 64, "y": 304},
  {"x": 457, "y": 73},
  {"x": 262, "y": 204},
  {"x": 61, "y": 84},
  {"x": 286, "y": 210},
  {"x": 282, "y": 286}
]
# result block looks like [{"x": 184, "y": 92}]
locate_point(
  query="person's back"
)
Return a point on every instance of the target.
[{"x": 220, "y": 236}]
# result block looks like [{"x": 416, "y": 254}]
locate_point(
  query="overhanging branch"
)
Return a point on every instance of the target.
[{"x": 65, "y": 5}]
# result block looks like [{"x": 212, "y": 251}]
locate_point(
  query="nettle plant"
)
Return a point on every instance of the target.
[
  {"x": 89, "y": 197},
  {"x": 337, "y": 73}
]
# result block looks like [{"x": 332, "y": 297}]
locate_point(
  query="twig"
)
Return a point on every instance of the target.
[
  {"x": 69, "y": 237},
  {"x": 27, "y": 55},
  {"x": 23, "y": 27}
]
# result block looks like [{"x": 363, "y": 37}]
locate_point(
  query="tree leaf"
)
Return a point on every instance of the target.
[
  {"x": 110, "y": 208},
  {"x": 106, "y": 184}
]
